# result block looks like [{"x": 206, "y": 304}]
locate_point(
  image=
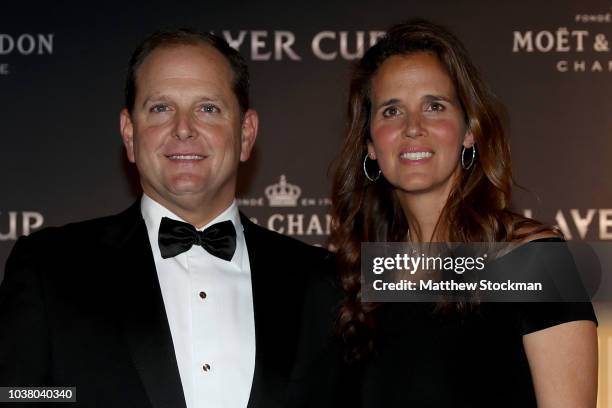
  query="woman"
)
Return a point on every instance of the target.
[{"x": 427, "y": 159}]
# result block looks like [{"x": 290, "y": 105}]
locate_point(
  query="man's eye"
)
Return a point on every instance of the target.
[
  {"x": 390, "y": 112},
  {"x": 159, "y": 108},
  {"x": 435, "y": 107},
  {"x": 210, "y": 109}
]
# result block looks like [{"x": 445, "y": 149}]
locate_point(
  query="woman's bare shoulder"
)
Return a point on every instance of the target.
[{"x": 531, "y": 230}]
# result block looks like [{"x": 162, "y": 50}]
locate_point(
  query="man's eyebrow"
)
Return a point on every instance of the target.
[
  {"x": 157, "y": 97},
  {"x": 164, "y": 97}
]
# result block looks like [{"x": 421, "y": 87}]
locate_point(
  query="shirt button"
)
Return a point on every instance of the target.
[
  {"x": 206, "y": 367},
  {"x": 203, "y": 295}
]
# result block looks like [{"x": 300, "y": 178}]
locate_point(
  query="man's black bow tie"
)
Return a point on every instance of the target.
[{"x": 176, "y": 237}]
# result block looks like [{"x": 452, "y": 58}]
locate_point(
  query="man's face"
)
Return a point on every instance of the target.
[{"x": 185, "y": 133}]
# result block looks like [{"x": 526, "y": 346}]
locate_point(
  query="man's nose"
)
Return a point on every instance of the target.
[{"x": 184, "y": 126}]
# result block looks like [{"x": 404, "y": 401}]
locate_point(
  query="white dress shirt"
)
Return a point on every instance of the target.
[{"x": 209, "y": 304}]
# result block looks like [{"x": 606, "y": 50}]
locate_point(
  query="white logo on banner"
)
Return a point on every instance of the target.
[
  {"x": 578, "y": 224},
  {"x": 284, "y": 210},
  {"x": 283, "y": 194},
  {"x": 24, "y": 44},
  {"x": 262, "y": 45},
  {"x": 582, "y": 49},
  {"x": 28, "y": 221}
]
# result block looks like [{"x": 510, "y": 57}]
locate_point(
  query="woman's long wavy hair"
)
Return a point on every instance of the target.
[{"x": 364, "y": 211}]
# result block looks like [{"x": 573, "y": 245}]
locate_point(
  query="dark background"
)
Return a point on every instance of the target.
[{"x": 62, "y": 156}]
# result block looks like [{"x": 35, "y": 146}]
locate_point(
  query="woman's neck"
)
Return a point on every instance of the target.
[{"x": 422, "y": 211}]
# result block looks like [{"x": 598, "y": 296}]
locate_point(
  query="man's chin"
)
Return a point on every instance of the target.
[
  {"x": 172, "y": 193},
  {"x": 187, "y": 191},
  {"x": 187, "y": 184}
]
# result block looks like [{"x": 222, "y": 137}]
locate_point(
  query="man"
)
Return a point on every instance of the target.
[{"x": 179, "y": 301}]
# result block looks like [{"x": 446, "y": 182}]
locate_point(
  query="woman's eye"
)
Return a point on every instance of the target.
[
  {"x": 390, "y": 112},
  {"x": 210, "y": 109},
  {"x": 435, "y": 107},
  {"x": 159, "y": 108}
]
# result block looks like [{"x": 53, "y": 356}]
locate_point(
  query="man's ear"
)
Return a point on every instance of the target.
[
  {"x": 248, "y": 134},
  {"x": 127, "y": 133}
]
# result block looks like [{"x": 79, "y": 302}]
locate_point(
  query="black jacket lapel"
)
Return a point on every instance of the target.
[
  {"x": 144, "y": 320},
  {"x": 257, "y": 263},
  {"x": 276, "y": 303}
]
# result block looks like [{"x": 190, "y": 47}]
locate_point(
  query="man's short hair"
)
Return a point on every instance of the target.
[{"x": 186, "y": 36}]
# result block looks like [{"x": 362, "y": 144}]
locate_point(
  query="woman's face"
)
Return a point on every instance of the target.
[{"x": 417, "y": 124}]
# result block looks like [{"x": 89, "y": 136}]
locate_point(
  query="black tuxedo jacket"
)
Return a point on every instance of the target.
[{"x": 81, "y": 306}]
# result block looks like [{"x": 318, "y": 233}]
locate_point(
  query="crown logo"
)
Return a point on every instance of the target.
[{"x": 283, "y": 194}]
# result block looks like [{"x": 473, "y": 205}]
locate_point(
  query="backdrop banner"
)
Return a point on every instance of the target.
[{"x": 62, "y": 69}]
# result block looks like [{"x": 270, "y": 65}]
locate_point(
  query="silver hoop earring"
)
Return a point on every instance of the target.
[
  {"x": 467, "y": 167},
  {"x": 365, "y": 170}
]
